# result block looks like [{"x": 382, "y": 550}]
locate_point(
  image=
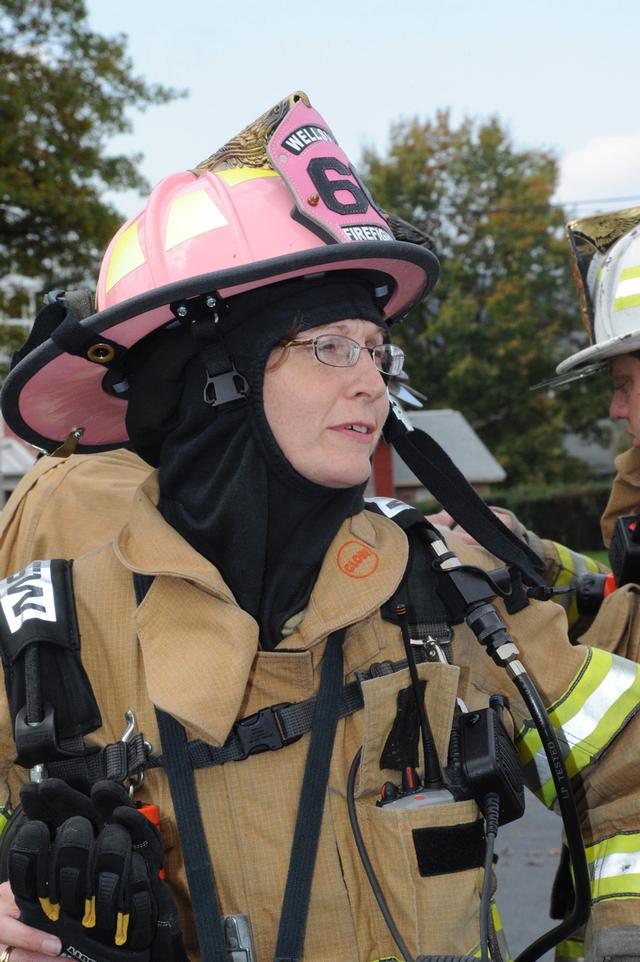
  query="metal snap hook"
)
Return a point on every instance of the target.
[{"x": 134, "y": 781}]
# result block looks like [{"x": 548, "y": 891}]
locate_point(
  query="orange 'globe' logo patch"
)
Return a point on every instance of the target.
[{"x": 357, "y": 560}]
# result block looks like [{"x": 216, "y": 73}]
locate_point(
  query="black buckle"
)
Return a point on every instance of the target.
[
  {"x": 37, "y": 742},
  {"x": 224, "y": 387},
  {"x": 263, "y": 731}
]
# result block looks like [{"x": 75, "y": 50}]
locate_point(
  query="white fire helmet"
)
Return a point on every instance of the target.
[{"x": 605, "y": 251}]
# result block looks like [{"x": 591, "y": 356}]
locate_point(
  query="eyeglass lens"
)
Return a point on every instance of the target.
[{"x": 338, "y": 350}]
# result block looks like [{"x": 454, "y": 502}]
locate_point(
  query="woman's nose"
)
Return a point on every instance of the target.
[{"x": 368, "y": 377}]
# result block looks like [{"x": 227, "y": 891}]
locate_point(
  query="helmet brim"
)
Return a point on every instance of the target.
[
  {"x": 592, "y": 360},
  {"x": 600, "y": 353},
  {"x": 50, "y": 392}
]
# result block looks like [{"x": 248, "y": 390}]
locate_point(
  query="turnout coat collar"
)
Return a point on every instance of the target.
[
  {"x": 198, "y": 646},
  {"x": 625, "y": 492}
]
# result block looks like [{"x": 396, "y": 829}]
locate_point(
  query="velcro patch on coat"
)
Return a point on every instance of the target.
[{"x": 448, "y": 849}]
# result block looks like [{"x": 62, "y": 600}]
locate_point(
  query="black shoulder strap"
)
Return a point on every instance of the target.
[
  {"x": 295, "y": 905},
  {"x": 435, "y": 469},
  {"x": 418, "y": 586},
  {"x": 180, "y": 773},
  {"x": 202, "y": 887}
]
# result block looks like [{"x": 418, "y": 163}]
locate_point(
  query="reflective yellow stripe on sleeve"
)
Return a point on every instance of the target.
[
  {"x": 600, "y": 700},
  {"x": 614, "y": 867},
  {"x": 572, "y": 565}
]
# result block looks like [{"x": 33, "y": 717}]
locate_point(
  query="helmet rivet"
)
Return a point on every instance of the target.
[
  {"x": 211, "y": 301},
  {"x": 312, "y": 200},
  {"x": 182, "y": 310},
  {"x": 101, "y": 353}
]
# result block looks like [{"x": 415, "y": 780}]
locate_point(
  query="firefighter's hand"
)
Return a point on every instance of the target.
[
  {"x": 27, "y": 944},
  {"x": 444, "y": 520},
  {"x": 86, "y": 870}
]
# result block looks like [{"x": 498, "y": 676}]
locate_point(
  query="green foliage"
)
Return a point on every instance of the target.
[
  {"x": 569, "y": 514},
  {"x": 505, "y": 310},
  {"x": 64, "y": 91},
  {"x": 12, "y": 336}
]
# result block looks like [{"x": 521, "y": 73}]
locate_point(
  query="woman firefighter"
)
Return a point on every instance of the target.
[{"x": 250, "y": 619}]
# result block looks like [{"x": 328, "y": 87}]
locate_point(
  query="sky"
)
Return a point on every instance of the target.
[{"x": 558, "y": 74}]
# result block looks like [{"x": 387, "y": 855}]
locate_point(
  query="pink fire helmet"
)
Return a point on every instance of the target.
[{"x": 279, "y": 201}]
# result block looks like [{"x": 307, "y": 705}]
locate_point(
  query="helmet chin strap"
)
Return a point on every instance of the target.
[{"x": 437, "y": 472}]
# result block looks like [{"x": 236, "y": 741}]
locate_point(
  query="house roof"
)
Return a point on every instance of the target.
[
  {"x": 15, "y": 460},
  {"x": 453, "y": 432}
]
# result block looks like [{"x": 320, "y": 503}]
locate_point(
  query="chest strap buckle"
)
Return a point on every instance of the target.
[{"x": 263, "y": 731}]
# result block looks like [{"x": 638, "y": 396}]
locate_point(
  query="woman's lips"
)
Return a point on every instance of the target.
[{"x": 356, "y": 431}]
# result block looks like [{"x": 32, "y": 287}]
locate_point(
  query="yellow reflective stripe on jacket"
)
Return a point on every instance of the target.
[
  {"x": 571, "y": 950},
  {"x": 614, "y": 867},
  {"x": 602, "y": 697},
  {"x": 572, "y": 565},
  {"x": 501, "y": 939}
]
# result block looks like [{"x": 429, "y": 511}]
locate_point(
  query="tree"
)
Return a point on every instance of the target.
[
  {"x": 64, "y": 92},
  {"x": 12, "y": 336},
  {"x": 505, "y": 310}
]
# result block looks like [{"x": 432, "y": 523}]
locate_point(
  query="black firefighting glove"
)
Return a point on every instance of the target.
[{"x": 87, "y": 870}]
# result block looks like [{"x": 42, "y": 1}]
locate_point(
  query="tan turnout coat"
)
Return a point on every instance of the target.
[
  {"x": 68, "y": 506},
  {"x": 190, "y": 650},
  {"x": 617, "y": 624}
]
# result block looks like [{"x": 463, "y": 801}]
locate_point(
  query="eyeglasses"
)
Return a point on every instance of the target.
[{"x": 338, "y": 350}]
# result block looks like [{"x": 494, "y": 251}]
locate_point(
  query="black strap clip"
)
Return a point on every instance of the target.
[
  {"x": 37, "y": 742},
  {"x": 263, "y": 731},
  {"x": 224, "y": 387}
]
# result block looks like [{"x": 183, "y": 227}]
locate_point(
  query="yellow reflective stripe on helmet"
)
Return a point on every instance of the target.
[
  {"x": 126, "y": 255},
  {"x": 5, "y": 815},
  {"x": 190, "y": 215},
  {"x": 602, "y": 697},
  {"x": 624, "y": 303},
  {"x": 629, "y": 272},
  {"x": 238, "y": 175},
  {"x": 628, "y": 290},
  {"x": 614, "y": 867}
]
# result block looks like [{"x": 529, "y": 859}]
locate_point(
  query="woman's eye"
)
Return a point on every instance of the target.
[{"x": 335, "y": 348}]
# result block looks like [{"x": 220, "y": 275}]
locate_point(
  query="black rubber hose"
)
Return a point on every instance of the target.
[
  {"x": 492, "y": 817},
  {"x": 366, "y": 863},
  {"x": 582, "y": 903}
]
